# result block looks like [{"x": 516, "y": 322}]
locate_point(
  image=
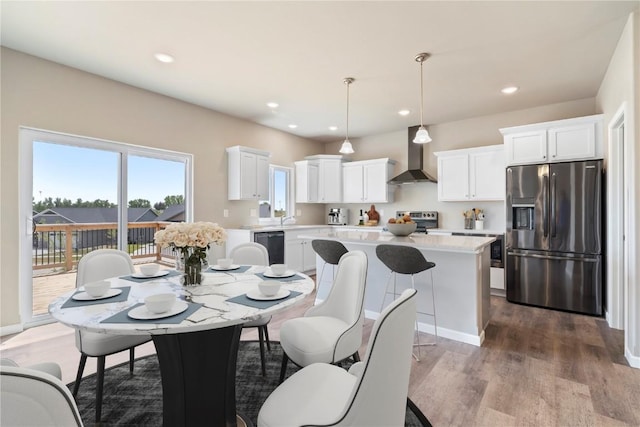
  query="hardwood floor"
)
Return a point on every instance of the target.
[{"x": 536, "y": 367}]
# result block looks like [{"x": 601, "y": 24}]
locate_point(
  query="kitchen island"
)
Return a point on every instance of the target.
[{"x": 461, "y": 279}]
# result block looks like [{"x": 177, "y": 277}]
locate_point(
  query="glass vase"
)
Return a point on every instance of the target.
[{"x": 191, "y": 261}]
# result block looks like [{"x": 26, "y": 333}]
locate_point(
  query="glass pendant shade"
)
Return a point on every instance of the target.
[
  {"x": 346, "y": 148},
  {"x": 422, "y": 136}
]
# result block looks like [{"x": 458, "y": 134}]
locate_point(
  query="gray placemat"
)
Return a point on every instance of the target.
[
  {"x": 244, "y": 300},
  {"x": 70, "y": 303},
  {"x": 122, "y": 317},
  {"x": 241, "y": 269},
  {"x": 144, "y": 279},
  {"x": 280, "y": 279}
]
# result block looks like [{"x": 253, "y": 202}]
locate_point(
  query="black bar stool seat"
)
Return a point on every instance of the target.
[
  {"x": 330, "y": 251},
  {"x": 408, "y": 260}
]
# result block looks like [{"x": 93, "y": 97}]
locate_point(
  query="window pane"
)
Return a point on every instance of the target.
[{"x": 280, "y": 192}]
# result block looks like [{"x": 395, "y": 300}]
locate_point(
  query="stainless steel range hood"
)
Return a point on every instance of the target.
[{"x": 415, "y": 173}]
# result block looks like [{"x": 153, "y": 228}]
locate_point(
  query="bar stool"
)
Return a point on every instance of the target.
[
  {"x": 330, "y": 251},
  {"x": 408, "y": 260}
]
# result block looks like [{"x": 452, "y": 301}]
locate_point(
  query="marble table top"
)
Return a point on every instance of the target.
[{"x": 215, "y": 311}]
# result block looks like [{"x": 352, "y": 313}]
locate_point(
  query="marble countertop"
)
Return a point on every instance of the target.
[
  {"x": 464, "y": 230},
  {"x": 212, "y": 294},
  {"x": 443, "y": 243}
]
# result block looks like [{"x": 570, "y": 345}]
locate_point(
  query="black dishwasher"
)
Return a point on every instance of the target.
[{"x": 274, "y": 242}]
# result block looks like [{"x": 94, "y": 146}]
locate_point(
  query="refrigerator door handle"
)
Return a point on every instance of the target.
[
  {"x": 551, "y": 257},
  {"x": 552, "y": 209},
  {"x": 545, "y": 207}
]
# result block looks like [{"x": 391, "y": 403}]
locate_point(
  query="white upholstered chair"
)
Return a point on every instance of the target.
[
  {"x": 99, "y": 265},
  {"x": 332, "y": 330},
  {"x": 372, "y": 393},
  {"x": 33, "y": 397},
  {"x": 255, "y": 254}
]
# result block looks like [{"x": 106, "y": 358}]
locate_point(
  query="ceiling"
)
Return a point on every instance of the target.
[{"x": 236, "y": 56}]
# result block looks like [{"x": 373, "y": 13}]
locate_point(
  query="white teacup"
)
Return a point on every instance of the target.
[
  {"x": 278, "y": 269},
  {"x": 97, "y": 289},
  {"x": 269, "y": 287},
  {"x": 225, "y": 262},
  {"x": 149, "y": 269},
  {"x": 160, "y": 303}
]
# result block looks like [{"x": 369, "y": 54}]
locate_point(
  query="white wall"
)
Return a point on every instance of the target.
[
  {"x": 620, "y": 86},
  {"x": 45, "y": 95}
]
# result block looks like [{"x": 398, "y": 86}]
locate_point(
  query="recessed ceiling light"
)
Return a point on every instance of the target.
[
  {"x": 164, "y": 57},
  {"x": 404, "y": 112},
  {"x": 509, "y": 90},
  {"x": 272, "y": 104},
  {"x": 292, "y": 126},
  {"x": 333, "y": 128}
]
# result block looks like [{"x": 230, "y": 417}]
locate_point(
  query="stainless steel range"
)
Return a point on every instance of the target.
[{"x": 424, "y": 219}]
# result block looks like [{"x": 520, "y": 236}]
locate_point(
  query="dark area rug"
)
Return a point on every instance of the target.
[{"x": 136, "y": 400}]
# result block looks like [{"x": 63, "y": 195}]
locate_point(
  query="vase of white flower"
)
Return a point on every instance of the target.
[{"x": 190, "y": 242}]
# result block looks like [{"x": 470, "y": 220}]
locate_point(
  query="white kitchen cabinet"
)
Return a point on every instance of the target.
[
  {"x": 307, "y": 181},
  {"x": 365, "y": 181},
  {"x": 556, "y": 141},
  {"x": 248, "y": 173},
  {"x": 319, "y": 179},
  {"x": 471, "y": 174},
  {"x": 298, "y": 253}
]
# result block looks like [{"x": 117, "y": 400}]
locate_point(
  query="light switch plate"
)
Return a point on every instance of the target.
[
  {"x": 298, "y": 212},
  {"x": 225, "y": 213},
  {"x": 253, "y": 213}
]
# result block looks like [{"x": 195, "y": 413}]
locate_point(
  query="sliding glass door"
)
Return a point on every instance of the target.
[{"x": 81, "y": 194}]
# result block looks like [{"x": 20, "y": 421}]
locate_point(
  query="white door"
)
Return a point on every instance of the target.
[
  {"x": 262, "y": 177},
  {"x": 75, "y": 198},
  {"x": 487, "y": 173}
]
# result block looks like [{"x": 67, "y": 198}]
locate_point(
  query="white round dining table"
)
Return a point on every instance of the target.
[{"x": 197, "y": 348}]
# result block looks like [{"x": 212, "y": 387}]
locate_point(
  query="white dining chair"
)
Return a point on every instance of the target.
[
  {"x": 32, "y": 397},
  {"x": 332, "y": 330},
  {"x": 99, "y": 265},
  {"x": 372, "y": 393},
  {"x": 255, "y": 254}
]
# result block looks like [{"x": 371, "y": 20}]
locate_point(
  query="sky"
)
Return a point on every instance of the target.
[{"x": 72, "y": 172}]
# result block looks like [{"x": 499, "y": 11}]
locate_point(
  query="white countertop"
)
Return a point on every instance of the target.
[{"x": 468, "y": 244}]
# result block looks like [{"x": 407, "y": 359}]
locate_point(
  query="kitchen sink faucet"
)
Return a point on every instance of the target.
[{"x": 285, "y": 218}]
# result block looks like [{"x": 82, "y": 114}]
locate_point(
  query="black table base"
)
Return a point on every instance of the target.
[{"x": 199, "y": 376}]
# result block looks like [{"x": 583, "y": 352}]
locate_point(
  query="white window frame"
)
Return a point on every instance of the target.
[
  {"x": 27, "y": 137},
  {"x": 291, "y": 202}
]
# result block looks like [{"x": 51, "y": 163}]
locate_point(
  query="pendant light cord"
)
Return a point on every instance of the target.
[
  {"x": 348, "y": 82},
  {"x": 421, "y": 95}
]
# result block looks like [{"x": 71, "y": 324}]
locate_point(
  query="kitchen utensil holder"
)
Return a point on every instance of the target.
[{"x": 468, "y": 224}]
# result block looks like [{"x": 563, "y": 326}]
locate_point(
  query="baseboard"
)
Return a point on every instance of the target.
[
  {"x": 634, "y": 361},
  {"x": 11, "y": 329},
  {"x": 476, "y": 340}
]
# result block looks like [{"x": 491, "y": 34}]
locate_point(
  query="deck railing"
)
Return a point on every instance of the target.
[{"x": 62, "y": 245}]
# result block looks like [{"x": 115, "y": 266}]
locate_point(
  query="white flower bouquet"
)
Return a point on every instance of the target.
[{"x": 191, "y": 240}]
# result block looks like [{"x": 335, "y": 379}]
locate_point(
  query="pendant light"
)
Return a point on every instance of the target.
[
  {"x": 422, "y": 136},
  {"x": 347, "y": 148}
]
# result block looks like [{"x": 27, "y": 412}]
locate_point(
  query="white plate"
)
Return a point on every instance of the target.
[
  {"x": 83, "y": 296},
  {"x": 217, "y": 267},
  {"x": 144, "y": 276},
  {"x": 141, "y": 312},
  {"x": 256, "y": 295},
  {"x": 269, "y": 273}
]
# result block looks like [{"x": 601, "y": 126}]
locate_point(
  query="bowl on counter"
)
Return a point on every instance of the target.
[{"x": 402, "y": 229}]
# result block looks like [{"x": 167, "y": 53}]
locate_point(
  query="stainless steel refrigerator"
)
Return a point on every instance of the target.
[{"x": 554, "y": 238}]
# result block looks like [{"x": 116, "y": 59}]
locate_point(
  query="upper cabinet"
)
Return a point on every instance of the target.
[
  {"x": 319, "y": 179},
  {"x": 248, "y": 173},
  {"x": 471, "y": 174},
  {"x": 365, "y": 181},
  {"x": 557, "y": 141}
]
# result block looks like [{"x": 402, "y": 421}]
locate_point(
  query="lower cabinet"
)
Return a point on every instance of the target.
[{"x": 298, "y": 253}]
